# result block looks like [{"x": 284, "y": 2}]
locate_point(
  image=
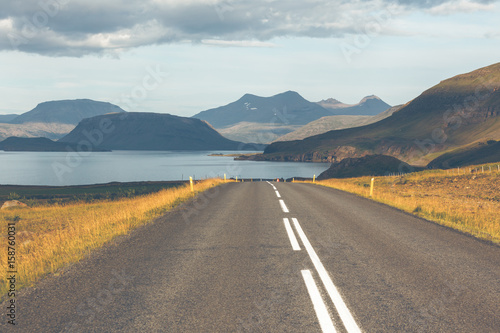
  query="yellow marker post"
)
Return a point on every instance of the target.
[
  {"x": 236, "y": 178},
  {"x": 293, "y": 180},
  {"x": 224, "y": 177},
  {"x": 191, "y": 183},
  {"x": 314, "y": 179},
  {"x": 371, "y": 187}
]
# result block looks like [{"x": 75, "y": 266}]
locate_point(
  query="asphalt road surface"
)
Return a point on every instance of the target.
[{"x": 275, "y": 257}]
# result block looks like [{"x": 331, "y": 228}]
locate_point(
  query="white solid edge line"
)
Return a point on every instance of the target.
[
  {"x": 278, "y": 194},
  {"x": 325, "y": 321},
  {"x": 344, "y": 313},
  {"x": 291, "y": 235},
  {"x": 283, "y": 206}
]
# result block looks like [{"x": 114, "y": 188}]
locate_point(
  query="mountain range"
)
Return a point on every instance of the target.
[
  {"x": 265, "y": 119},
  {"x": 458, "y": 111},
  {"x": 453, "y": 123},
  {"x": 287, "y": 108}
]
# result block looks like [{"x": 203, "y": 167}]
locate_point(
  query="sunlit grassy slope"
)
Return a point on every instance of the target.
[
  {"x": 51, "y": 237},
  {"x": 466, "y": 199}
]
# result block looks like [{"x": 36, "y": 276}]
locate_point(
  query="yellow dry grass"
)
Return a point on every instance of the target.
[
  {"x": 48, "y": 238},
  {"x": 466, "y": 199}
]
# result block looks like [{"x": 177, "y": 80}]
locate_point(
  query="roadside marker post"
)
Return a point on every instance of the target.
[
  {"x": 314, "y": 179},
  {"x": 371, "y": 187},
  {"x": 224, "y": 178},
  {"x": 236, "y": 178},
  {"x": 191, "y": 183}
]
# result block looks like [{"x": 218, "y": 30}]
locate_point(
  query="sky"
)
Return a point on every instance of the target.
[{"x": 185, "y": 56}]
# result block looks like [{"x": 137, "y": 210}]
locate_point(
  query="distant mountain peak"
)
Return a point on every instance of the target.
[
  {"x": 247, "y": 95},
  {"x": 331, "y": 101},
  {"x": 369, "y": 98},
  {"x": 66, "y": 111},
  {"x": 286, "y": 108},
  {"x": 289, "y": 93},
  {"x": 368, "y": 106}
]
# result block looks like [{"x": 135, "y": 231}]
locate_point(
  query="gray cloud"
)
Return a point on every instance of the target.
[{"x": 80, "y": 27}]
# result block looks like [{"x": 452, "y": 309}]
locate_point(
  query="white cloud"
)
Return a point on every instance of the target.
[
  {"x": 460, "y": 6},
  {"x": 237, "y": 43},
  {"x": 80, "y": 27}
]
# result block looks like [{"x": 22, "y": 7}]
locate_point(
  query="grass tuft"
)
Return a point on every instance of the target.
[{"x": 465, "y": 199}]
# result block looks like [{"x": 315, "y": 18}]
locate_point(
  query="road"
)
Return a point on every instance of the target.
[{"x": 276, "y": 257}]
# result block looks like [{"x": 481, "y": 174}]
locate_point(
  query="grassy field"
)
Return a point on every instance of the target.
[
  {"x": 50, "y": 237},
  {"x": 466, "y": 199}
]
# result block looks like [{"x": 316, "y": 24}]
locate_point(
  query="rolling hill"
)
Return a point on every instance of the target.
[
  {"x": 330, "y": 123},
  {"x": 149, "y": 131},
  {"x": 66, "y": 112},
  {"x": 458, "y": 111},
  {"x": 370, "y": 165},
  {"x": 262, "y": 133},
  {"x": 6, "y": 118},
  {"x": 477, "y": 153},
  {"x": 37, "y": 144},
  {"x": 52, "y": 131}
]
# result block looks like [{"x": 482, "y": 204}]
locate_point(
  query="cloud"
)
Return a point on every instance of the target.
[
  {"x": 80, "y": 27},
  {"x": 237, "y": 43},
  {"x": 460, "y": 6}
]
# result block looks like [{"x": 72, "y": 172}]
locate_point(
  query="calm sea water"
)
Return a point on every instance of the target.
[{"x": 62, "y": 168}]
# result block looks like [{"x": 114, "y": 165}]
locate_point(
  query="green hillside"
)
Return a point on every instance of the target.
[{"x": 456, "y": 112}]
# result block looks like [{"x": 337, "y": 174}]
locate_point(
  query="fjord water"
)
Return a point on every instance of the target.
[{"x": 62, "y": 168}]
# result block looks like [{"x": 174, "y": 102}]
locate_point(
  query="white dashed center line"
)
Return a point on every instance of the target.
[
  {"x": 283, "y": 207},
  {"x": 291, "y": 235},
  {"x": 344, "y": 313},
  {"x": 324, "y": 317}
]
